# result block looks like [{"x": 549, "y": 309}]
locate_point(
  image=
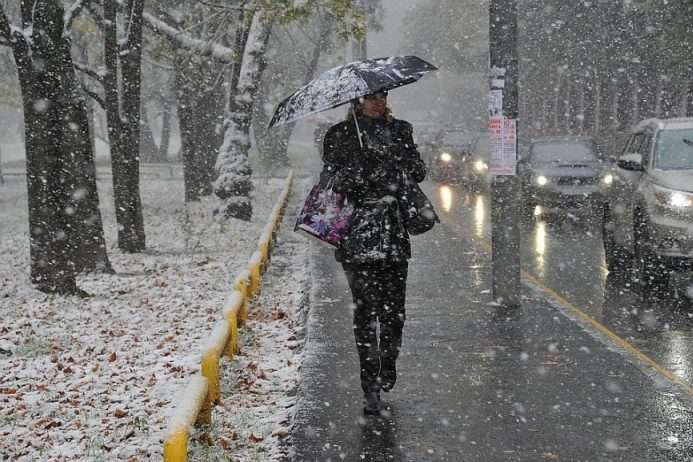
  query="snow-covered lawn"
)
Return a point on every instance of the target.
[{"x": 97, "y": 378}]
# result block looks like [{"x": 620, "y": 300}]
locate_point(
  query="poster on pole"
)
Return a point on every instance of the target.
[
  {"x": 495, "y": 103},
  {"x": 502, "y": 133}
]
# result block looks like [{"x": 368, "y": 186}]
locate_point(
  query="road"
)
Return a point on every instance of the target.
[
  {"x": 575, "y": 375},
  {"x": 564, "y": 253}
]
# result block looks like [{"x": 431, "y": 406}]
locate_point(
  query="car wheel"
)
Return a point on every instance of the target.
[
  {"x": 651, "y": 271},
  {"x": 616, "y": 256}
]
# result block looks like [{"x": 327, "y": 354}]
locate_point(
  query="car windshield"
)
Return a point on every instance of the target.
[
  {"x": 562, "y": 152},
  {"x": 674, "y": 150}
]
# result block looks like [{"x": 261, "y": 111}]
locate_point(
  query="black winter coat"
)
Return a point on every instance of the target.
[{"x": 372, "y": 173}]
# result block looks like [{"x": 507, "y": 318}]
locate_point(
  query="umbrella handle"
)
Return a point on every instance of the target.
[{"x": 358, "y": 130}]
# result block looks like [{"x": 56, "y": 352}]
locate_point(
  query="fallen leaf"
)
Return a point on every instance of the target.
[
  {"x": 112, "y": 357},
  {"x": 120, "y": 413},
  {"x": 255, "y": 439},
  {"x": 52, "y": 424},
  {"x": 278, "y": 314}
]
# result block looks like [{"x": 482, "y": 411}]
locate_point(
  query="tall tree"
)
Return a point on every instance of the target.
[
  {"x": 65, "y": 228},
  {"x": 233, "y": 185},
  {"x": 122, "y": 84}
]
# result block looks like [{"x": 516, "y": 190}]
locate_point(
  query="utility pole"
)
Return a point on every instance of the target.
[{"x": 505, "y": 190}]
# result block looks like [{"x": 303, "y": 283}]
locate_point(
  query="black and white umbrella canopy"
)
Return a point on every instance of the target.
[{"x": 345, "y": 83}]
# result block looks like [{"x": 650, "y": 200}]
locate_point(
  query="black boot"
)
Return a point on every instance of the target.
[{"x": 372, "y": 405}]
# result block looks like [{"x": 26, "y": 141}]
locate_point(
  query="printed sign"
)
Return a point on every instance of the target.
[
  {"x": 502, "y": 135},
  {"x": 495, "y": 103}
]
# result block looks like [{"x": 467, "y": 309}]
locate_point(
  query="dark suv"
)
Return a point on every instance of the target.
[{"x": 648, "y": 213}]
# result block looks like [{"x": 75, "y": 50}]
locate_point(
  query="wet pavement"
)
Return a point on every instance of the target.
[{"x": 479, "y": 383}]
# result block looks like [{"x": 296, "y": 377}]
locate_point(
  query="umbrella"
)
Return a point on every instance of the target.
[{"x": 345, "y": 83}]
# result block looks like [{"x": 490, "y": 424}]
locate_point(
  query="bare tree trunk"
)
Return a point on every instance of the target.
[
  {"x": 613, "y": 95},
  {"x": 66, "y": 234},
  {"x": 124, "y": 129},
  {"x": 581, "y": 111},
  {"x": 597, "y": 104},
  {"x": 165, "y": 142},
  {"x": 200, "y": 94},
  {"x": 568, "y": 105},
  {"x": 148, "y": 148},
  {"x": 556, "y": 105},
  {"x": 683, "y": 97}
]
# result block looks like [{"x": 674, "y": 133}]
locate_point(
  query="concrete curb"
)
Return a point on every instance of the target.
[{"x": 202, "y": 392}]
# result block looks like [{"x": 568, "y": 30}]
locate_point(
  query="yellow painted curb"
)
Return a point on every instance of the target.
[
  {"x": 210, "y": 359},
  {"x": 254, "y": 267},
  {"x": 203, "y": 391},
  {"x": 190, "y": 407},
  {"x": 232, "y": 314},
  {"x": 242, "y": 285}
]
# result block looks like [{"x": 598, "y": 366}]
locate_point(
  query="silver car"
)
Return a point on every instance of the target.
[
  {"x": 648, "y": 213},
  {"x": 561, "y": 173}
]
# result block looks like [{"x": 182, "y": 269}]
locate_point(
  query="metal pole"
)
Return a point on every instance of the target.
[{"x": 505, "y": 191}]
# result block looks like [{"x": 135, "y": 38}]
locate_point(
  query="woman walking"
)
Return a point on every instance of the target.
[{"x": 367, "y": 157}]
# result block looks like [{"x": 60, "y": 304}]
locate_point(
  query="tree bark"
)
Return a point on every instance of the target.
[
  {"x": 124, "y": 128},
  {"x": 66, "y": 232},
  {"x": 200, "y": 96},
  {"x": 165, "y": 141},
  {"x": 148, "y": 148},
  {"x": 233, "y": 185}
]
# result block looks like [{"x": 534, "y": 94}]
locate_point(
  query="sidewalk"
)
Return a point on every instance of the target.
[{"x": 477, "y": 383}]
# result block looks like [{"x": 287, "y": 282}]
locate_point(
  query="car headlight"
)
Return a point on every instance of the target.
[
  {"x": 542, "y": 180},
  {"x": 672, "y": 198},
  {"x": 480, "y": 166},
  {"x": 608, "y": 179},
  {"x": 446, "y": 157}
]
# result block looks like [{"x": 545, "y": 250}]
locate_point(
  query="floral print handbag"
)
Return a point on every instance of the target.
[{"x": 326, "y": 214}]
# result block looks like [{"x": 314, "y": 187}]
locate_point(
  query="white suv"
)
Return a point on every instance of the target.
[{"x": 648, "y": 206}]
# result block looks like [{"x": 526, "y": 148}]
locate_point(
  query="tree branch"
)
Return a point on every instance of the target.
[
  {"x": 98, "y": 17},
  {"x": 204, "y": 48},
  {"x": 93, "y": 95},
  {"x": 89, "y": 71}
]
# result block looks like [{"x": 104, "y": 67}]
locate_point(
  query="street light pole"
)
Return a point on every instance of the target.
[{"x": 505, "y": 191}]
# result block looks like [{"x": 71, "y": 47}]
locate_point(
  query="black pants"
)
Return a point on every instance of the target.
[{"x": 379, "y": 295}]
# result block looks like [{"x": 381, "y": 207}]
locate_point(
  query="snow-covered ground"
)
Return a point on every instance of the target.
[{"x": 97, "y": 378}]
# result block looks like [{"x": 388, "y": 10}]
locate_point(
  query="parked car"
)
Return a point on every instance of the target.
[
  {"x": 561, "y": 173},
  {"x": 475, "y": 176},
  {"x": 648, "y": 210},
  {"x": 448, "y": 157}
]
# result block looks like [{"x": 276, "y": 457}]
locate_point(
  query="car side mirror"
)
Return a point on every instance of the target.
[{"x": 631, "y": 161}]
